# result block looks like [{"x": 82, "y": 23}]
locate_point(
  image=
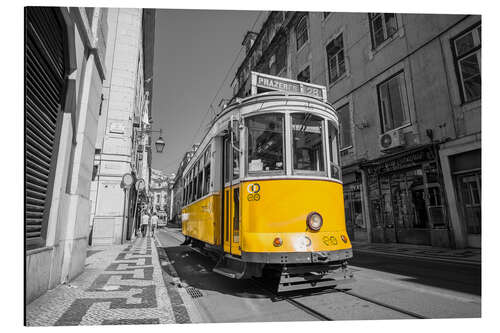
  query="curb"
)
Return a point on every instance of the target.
[{"x": 185, "y": 309}]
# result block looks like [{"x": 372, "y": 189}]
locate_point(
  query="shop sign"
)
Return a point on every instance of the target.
[
  {"x": 404, "y": 161},
  {"x": 270, "y": 82}
]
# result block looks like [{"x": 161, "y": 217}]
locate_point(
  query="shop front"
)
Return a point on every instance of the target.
[
  {"x": 353, "y": 204},
  {"x": 466, "y": 173},
  {"x": 405, "y": 199}
]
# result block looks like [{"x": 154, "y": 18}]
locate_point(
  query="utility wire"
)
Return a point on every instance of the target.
[{"x": 221, "y": 85}]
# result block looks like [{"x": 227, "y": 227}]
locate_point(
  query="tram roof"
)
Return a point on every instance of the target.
[{"x": 273, "y": 96}]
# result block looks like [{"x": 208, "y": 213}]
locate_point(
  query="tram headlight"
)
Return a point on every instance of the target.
[{"x": 314, "y": 221}]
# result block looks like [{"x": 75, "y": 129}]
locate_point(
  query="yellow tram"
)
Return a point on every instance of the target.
[{"x": 263, "y": 190}]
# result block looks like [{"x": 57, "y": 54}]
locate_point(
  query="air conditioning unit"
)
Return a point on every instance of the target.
[{"x": 391, "y": 139}]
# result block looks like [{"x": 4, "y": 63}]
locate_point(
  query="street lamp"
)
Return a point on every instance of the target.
[{"x": 160, "y": 144}]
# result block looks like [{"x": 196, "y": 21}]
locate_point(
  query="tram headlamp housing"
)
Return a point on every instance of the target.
[{"x": 314, "y": 221}]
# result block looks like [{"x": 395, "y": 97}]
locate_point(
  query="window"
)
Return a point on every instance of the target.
[
  {"x": 307, "y": 136},
  {"x": 236, "y": 157},
  {"x": 382, "y": 27},
  {"x": 305, "y": 75},
  {"x": 227, "y": 144},
  {"x": 199, "y": 186},
  {"x": 206, "y": 185},
  {"x": 195, "y": 182},
  {"x": 345, "y": 126},
  {"x": 467, "y": 53},
  {"x": 335, "y": 58},
  {"x": 265, "y": 143},
  {"x": 95, "y": 169},
  {"x": 334, "y": 150},
  {"x": 301, "y": 32},
  {"x": 393, "y": 103},
  {"x": 191, "y": 186}
]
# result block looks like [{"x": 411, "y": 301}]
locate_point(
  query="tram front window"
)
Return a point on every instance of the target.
[
  {"x": 265, "y": 143},
  {"x": 307, "y": 136}
]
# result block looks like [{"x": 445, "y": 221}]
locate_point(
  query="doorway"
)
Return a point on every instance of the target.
[{"x": 231, "y": 198}]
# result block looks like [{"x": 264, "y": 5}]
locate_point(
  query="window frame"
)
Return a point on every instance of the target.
[
  {"x": 299, "y": 34},
  {"x": 404, "y": 99},
  {"x": 329, "y": 72},
  {"x": 387, "y": 37},
  {"x": 260, "y": 173},
  {"x": 207, "y": 164},
  {"x": 340, "y": 134},
  {"x": 294, "y": 171},
  {"x": 457, "y": 58},
  {"x": 330, "y": 154}
]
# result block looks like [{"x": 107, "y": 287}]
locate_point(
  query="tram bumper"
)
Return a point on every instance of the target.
[{"x": 297, "y": 257}]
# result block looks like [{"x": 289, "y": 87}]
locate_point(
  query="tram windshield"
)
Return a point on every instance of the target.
[
  {"x": 310, "y": 137},
  {"x": 265, "y": 143},
  {"x": 307, "y": 138}
]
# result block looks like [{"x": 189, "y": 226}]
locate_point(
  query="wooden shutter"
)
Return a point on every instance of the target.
[{"x": 44, "y": 80}]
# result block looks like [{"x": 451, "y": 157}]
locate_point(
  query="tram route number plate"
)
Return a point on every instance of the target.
[
  {"x": 253, "y": 192},
  {"x": 330, "y": 240}
]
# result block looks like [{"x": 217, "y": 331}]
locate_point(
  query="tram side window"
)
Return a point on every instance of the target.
[
  {"x": 206, "y": 185},
  {"x": 334, "y": 150},
  {"x": 184, "y": 191},
  {"x": 195, "y": 183},
  {"x": 307, "y": 137},
  {"x": 190, "y": 192},
  {"x": 226, "y": 160},
  {"x": 200, "y": 179},
  {"x": 265, "y": 143},
  {"x": 236, "y": 155}
]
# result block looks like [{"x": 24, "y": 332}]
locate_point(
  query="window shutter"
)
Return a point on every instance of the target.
[{"x": 44, "y": 78}]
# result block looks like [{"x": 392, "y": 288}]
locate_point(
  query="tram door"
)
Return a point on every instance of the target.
[{"x": 231, "y": 207}]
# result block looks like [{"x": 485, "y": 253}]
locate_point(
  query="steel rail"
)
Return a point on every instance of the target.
[
  {"x": 392, "y": 307},
  {"x": 297, "y": 304}
]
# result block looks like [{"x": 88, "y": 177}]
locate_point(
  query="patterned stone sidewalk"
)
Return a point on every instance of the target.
[{"x": 120, "y": 285}]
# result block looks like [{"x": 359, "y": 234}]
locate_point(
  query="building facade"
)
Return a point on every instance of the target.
[
  {"x": 407, "y": 89},
  {"x": 124, "y": 144},
  {"x": 160, "y": 188},
  {"x": 65, "y": 50}
]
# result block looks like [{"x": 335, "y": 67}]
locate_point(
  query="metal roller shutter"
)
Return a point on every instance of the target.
[{"x": 44, "y": 80}]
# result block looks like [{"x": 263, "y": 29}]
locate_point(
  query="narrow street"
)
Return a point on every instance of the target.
[{"x": 386, "y": 287}]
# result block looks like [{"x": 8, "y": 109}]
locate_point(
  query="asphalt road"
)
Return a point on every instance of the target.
[{"x": 429, "y": 289}]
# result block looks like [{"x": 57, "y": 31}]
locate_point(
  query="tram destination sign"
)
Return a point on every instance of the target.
[{"x": 270, "y": 82}]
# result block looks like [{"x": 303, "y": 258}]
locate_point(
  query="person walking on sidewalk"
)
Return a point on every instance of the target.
[
  {"x": 154, "y": 223},
  {"x": 144, "y": 223}
]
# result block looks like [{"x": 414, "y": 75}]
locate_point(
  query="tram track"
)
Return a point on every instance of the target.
[
  {"x": 294, "y": 299},
  {"x": 382, "y": 304},
  {"x": 321, "y": 316}
]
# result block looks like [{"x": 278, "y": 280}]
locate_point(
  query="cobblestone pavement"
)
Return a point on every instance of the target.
[
  {"x": 468, "y": 256},
  {"x": 120, "y": 285}
]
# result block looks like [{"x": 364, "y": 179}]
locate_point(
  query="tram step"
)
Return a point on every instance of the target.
[
  {"x": 225, "y": 271},
  {"x": 234, "y": 269}
]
